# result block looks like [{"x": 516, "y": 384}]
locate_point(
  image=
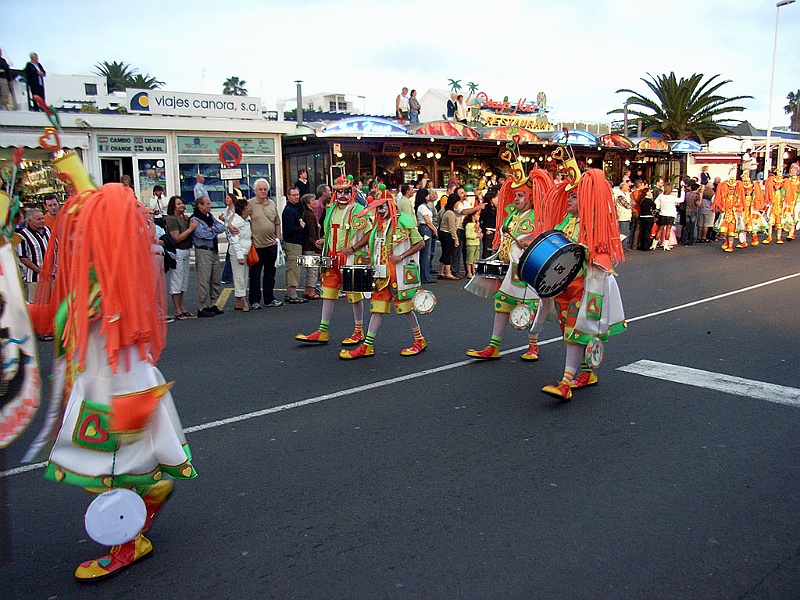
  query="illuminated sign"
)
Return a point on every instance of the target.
[
  {"x": 532, "y": 122},
  {"x": 576, "y": 136},
  {"x": 364, "y": 126}
]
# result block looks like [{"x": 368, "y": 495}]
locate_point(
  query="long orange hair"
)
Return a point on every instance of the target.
[
  {"x": 103, "y": 236},
  {"x": 536, "y": 188}
]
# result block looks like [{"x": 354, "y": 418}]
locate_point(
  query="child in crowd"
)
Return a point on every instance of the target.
[{"x": 472, "y": 229}]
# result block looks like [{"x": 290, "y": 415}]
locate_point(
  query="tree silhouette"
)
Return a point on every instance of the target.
[
  {"x": 144, "y": 82},
  {"x": 793, "y": 109},
  {"x": 233, "y": 86},
  {"x": 120, "y": 75},
  {"x": 682, "y": 108}
]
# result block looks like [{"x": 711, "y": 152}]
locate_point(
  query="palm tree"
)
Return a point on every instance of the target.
[
  {"x": 144, "y": 82},
  {"x": 233, "y": 86},
  {"x": 682, "y": 108},
  {"x": 472, "y": 87},
  {"x": 793, "y": 109},
  {"x": 118, "y": 74},
  {"x": 455, "y": 85}
]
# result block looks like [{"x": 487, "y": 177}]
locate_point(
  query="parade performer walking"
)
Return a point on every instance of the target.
[
  {"x": 776, "y": 190},
  {"x": 342, "y": 228},
  {"x": 727, "y": 204},
  {"x": 793, "y": 204},
  {"x": 520, "y": 204},
  {"x": 119, "y": 427},
  {"x": 750, "y": 198},
  {"x": 394, "y": 244},
  {"x": 590, "y": 309}
]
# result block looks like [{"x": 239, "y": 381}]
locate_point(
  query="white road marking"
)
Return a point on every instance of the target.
[
  {"x": 709, "y": 380},
  {"x": 410, "y": 376}
]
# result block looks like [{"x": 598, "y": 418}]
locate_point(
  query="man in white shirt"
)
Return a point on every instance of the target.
[
  {"x": 199, "y": 189},
  {"x": 622, "y": 202}
]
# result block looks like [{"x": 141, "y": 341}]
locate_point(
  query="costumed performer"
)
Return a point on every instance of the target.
[
  {"x": 342, "y": 227},
  {"x": 750, "y": 197},
  {"x": 590, "y": 308},
  {"x": 728, "y": 204},
  {"x": 776, "y": 194},
  {"x": 520, "y": 213},
  {"x": 394, "y": 244},
  {"x": 119, "y": 425},
  {"x": 794, "y": 208}
]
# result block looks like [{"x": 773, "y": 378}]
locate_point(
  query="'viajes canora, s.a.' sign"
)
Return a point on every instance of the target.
[{"x": 159, "y": 102}]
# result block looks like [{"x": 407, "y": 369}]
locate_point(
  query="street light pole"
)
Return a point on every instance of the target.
[{"x": 768, "y": 150}]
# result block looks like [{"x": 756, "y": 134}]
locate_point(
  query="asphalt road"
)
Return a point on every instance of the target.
[{"x": 438, "y": 477}]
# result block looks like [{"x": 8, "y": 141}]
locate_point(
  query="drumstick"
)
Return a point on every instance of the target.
[{"x": 514, "y": 239}]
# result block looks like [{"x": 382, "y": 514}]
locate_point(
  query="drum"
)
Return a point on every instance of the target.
[
  {"x": 424, "y": 302},
  {"x": 314, "y": 260},
  {"x": 550, "y": 263},
  {"x": 357, "y": 278},
  {"x": 493, "y": 269}
]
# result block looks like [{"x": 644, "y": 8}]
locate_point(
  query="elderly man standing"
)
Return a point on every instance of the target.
[
  {"x": 200, "y": 189},
  {"x": 35, "y": 238},
  {"x": 265, "y": 224},
  {"x": 34, "y": 77},
  {"x": 206, "y": 254},
  {"x": 293, "y": 231}
]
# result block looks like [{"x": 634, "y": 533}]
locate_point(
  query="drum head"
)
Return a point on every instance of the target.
[
  {"x": 424, "y": 302},
  {"x": 115, "y": 517},
  {"x": 550, "y": 263},
  {"x": 521, "y": 317},
  {"x": 594, "y": 353}
]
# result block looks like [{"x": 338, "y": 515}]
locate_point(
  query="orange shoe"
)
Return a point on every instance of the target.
[
  {"x": 415, "y": 348},
  {"x": 585, "y": 379},
  {"x": 117, "y": 559},
  {"x": 779, "y": 241},
  {"x": 488, "y": 353},
  {"x": 754, "y": 242},
  {"x": 559, "y": 390},
  {"x": 532, "y": 353},
  {"x": 728, "y": 249},
  {"x": 355, "y": 338},
  {"x": 767, "y": 240},
  {"x": 725, "y": 246},
  {"x": 742, "y": 245},
  {"x": 318, "y": 337},
  {"x": 362, "y": 351}
]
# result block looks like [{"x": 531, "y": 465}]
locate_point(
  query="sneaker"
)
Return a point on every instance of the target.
[
  {"x": 488, "y": 353},
  {"x": 363, "y": 351},
  {"x": 560, "y": 390},
  {"x": 274, "y": 303},
  {"x": 216, "y": 310},
  {"x": 585, "y": 379},
  {"x": 205, "y": 312},
  {"x": 318, "y": 337},
  {"x": 415, "y": 348},
  {"x": 255, "y": 306}
]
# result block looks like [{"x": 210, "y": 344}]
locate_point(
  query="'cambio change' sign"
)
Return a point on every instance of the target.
[{"x": 158, "y": 102}]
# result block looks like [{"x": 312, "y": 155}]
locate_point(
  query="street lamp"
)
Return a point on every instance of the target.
[{"x": 768, "y": 150}]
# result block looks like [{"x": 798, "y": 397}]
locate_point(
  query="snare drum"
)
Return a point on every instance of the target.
[
  {"x": 550, "y": 263},
  {"x": 357, "y": 278},
  {"x": 315, "y": 260},
  {"x": 493, "y": 269}
]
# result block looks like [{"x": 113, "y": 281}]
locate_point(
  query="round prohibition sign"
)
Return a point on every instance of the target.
[{"x": 230, "y": 154}]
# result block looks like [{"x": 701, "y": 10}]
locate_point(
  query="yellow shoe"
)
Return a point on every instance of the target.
[
  {"x": 560, "y": 390},
  {"x": 742, "y": 245},
  {"x": 532, "y": 352},
  {"x": 117, "y": 559},
  {"x": 355, "y": 338},
  {"x": 362, "y": 351},
  {"x": 755, "y": 241},
  {"x": 318, "y": 337},
  {"x": 779, "y": 241},
  {"x": 728, "y": 249},
  {"x": 767, "y": 240},
  {"x": 415, "y": 348},
  {"x": 488, "y": 353},
  {"x": 585, "y": 379}
]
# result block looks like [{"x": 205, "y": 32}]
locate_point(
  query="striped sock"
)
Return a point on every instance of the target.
[
  {"x": 370, "y": 339},
  {"x": 323, "y": 326},
  {"x": 569, "y": 374},
  {"x": 359, "y": 328},
  {"x": 495, "y": 341},
  {"x": 417, "y": 334}
]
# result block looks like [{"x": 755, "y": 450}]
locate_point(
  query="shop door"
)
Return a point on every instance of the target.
[
  {"x": 151, "y": 172},
  {"x": 114, "y": 168}
]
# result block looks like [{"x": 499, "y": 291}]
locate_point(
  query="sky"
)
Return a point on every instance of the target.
[{"x": 578, "y": 52}]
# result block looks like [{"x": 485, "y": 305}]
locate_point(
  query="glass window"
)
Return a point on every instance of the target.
[{"x": 90, "y": 89}]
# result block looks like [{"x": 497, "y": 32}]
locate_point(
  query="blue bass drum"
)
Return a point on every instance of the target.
[{"x": 550, "y": 263}]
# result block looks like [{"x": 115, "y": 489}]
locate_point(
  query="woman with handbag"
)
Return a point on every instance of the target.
[
  {"x": 240, "y": 245},
  {"x": 179, "y": 227}
]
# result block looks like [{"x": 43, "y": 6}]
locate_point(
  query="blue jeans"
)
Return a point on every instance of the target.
[
  {"x": 625, "y": 229},
  {"x": 689, "y": 233},
  {"x": 426, "y": 254}
]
